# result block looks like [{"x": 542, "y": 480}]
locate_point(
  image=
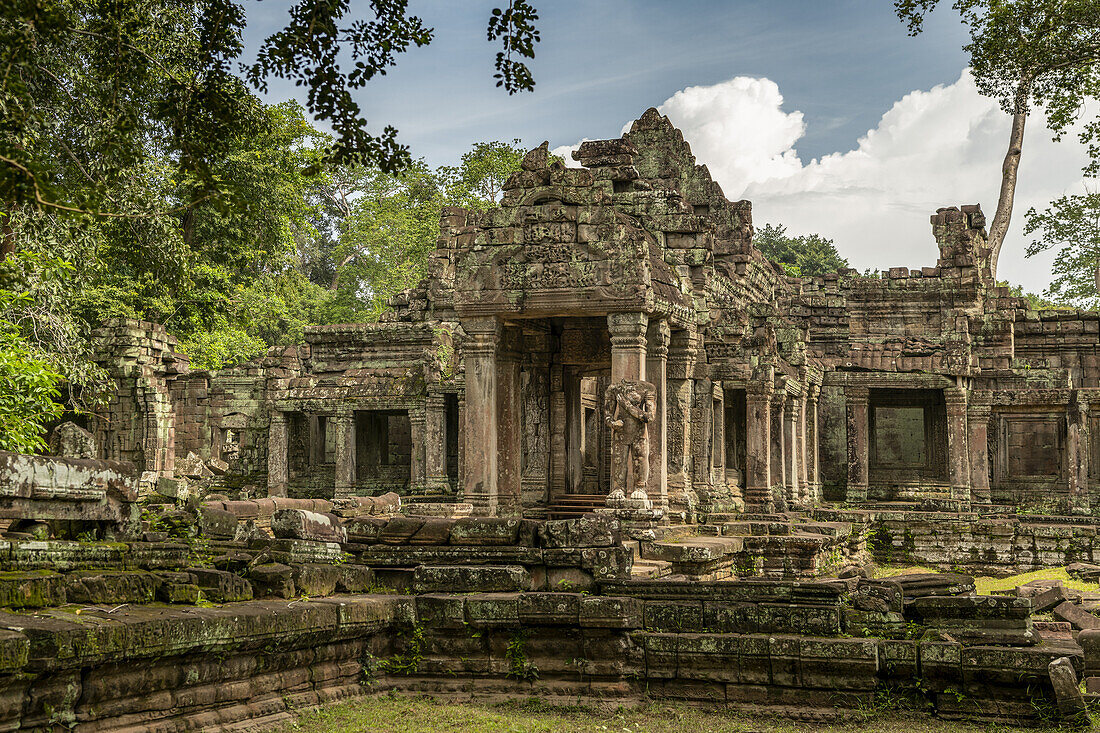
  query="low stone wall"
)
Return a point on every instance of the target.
[
  {"x": 74, "y": 494},
  {"x": 246, "y": 666},
  {"x": 993, "y": 544}
]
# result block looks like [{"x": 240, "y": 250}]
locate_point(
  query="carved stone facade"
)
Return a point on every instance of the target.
[{"x": 485, "y": 385}]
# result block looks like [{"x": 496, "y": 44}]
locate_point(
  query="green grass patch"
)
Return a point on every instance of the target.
[
  {"x": 395, "y": 714},
  {"x": 988, "y": 585}
]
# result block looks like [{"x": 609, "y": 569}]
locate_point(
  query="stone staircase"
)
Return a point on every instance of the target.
[
  {"x": 788, "y": 546},
  {"x": 646, "y": 569},
  {"x": 571, "y": 506}
]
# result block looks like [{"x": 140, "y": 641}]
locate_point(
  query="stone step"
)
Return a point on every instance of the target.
[
  {"x": 635, "y": 548},
  {"x": 692, "y": 550},
  {"x": 650, "y": 569}
]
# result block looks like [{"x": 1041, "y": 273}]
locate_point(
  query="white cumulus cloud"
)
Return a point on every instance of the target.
[{"x": 933, "y": 148}]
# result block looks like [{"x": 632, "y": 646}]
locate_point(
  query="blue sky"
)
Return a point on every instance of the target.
[
  {"x": 824, "y": 113},
  {"x": 603, "y": 62}
]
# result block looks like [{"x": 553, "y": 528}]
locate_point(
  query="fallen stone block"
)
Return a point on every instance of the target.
[
  {"x": 302, "y": 524},
  {"x": 919, "y": 585},
  {"x": 434, "y": 531},
  {"x": 92, "y": 586},
  {"x": 365, "y": 530},
  {"x": 217, "y": 523},
  {"x": 485, "y": 531},
  {"x": 355, "y": 578},
  {"x": 316, "y": 579},
  {"x": 32, "y": 589},
  {"x": 387, "y": 504},
  {"x": 272, "y": 579},
  {"x": 1067, "y": 694},
  {"x": 177, "y": 587},
  {"x": 399, "y": 530},
  {"x": 292, "y": 552},
  {"x": 470, "y": 578},
  {"x": 1084, "y": 571},
  {"x": 221, "y": 586},
  {"x": 590, "y": 530},
  {"x": 1077, "y": 616},
  {"x": 1047, "y": 599},
  {"x": 192, "y": 467}
]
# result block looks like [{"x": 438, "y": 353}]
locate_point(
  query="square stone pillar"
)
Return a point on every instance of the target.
[
  {"x": 417, "y": 472},
  {"x": 813, "y": 441},
  {"x": 779, "y": 450},
  {"x": 656, "y": 369},
  {"x": 557, "y": 432},
  {"x": 977, "y": 422},
  {"x": 509, "y": 427},
  {"x": 857, "y": 412},
  {"x": 758, "y": 479},
  {"x": 1077, "y": 443},
  {"x": 958, "y": 456},
  {"x": 480, "y": 432},
  {"x": 574, "y": 430},
  {"x": 278, "y": 473},
  {"x": 793, "y": 473},
  {"x": 343, "y": 426},
  {"x": 678, "y": 402},
  {"x": 803, "y": 450},
  {"x": 628, "y": 345},
  {"x": 435, "y": 445}
]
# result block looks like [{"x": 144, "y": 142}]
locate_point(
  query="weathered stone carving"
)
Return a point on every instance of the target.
[{"x": 629, "y": 407}]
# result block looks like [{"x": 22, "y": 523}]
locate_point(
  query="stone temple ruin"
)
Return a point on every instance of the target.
[{"x": 605, "y": 431}]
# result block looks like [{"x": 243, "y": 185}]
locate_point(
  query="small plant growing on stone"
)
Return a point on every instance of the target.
[
  {"x": 409, "y": 662},
  {"x": 516, "y": 654}
]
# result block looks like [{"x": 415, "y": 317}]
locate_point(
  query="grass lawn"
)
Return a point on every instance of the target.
[
  {"x": 392, "y": 714},
  {"x": 987, "y": 585}
]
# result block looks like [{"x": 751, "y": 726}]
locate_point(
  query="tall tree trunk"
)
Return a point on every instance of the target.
[{"x": 1009, "y": 170}]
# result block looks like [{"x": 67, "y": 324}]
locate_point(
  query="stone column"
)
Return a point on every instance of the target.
[
  {"x": 343, "y": 426},
  {"x": 718, "y": 435},
  {"x": 574, "y": 430},
  {"x": 958, "y": 457},
  {"x": 779, "y": 450},
  {"x": 417, "y": 475},
  {"x": 509, "y": 427},
  {"x": 977, "y": 422},
  {"x": 557, "y": 431},
  {"x": 628, "y": 345},
  {"x": 435, "y": 444},
  {"x": 278, "y": 474},
  {"x": 758, "y": 478},
  {"x": 813, "y": 441},
  {"x": 803, "y": 460},
  {"x": 791, "y": 413},
  {"x": 856, "y": 409},
  {"x": 480, "y": 434},
  {"x": 1077, "y": 444},
  {"x": 678, "y": 396},
  {"x": 656, "y": 368}
]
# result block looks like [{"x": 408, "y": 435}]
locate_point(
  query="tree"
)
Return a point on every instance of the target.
[
  {"x": 379, "y": 228},
  {"x": 803, "y": 256},
  {"x": 478, "y": 181},
  {"x": 1025, "y": 53},
  {"x": 1071, "y": 224},
  {"x": 132, "y": 80}
]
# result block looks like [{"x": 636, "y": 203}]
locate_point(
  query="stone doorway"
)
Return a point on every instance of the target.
[
  {"x": 908, "y": 444},
  {"x": 383, "y": 451}
]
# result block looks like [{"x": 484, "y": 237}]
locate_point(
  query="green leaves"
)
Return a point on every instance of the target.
[
  {"x": 1071, "y": 224},
  {"x": 804, "y": 256},
  {"x": 1031, "y": 52},
  {"x": 515, "y": 28}
]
